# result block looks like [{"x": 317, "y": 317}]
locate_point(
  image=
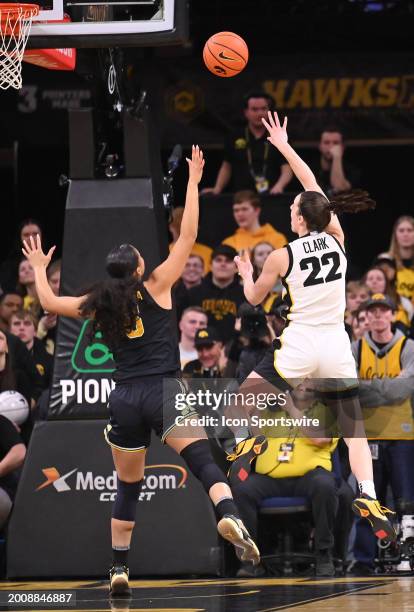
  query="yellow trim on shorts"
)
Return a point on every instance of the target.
[
  {"x": 121, "y": 448},
  {"x": 174, "y": 425}
]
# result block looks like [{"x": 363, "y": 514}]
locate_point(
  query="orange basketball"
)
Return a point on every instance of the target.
[{"x": 225, "y": 54}]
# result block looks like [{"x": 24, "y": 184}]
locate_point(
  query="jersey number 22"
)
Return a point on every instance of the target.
[{"x": 314, "y": 263}]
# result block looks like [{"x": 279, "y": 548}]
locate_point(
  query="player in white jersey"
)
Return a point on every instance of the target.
[{"x": 314, "y": 343}]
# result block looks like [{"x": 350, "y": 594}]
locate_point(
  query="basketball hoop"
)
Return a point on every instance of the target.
[{"x": 15, "y": 24}]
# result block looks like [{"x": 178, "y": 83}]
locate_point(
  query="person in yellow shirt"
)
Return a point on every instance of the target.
[
  {"x": 246, "y": 212},
  {"x": 297, "y": 465},
  {"x": 402, "y": 250}
]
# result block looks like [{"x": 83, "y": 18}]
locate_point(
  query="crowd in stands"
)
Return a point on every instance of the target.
[{"x": 221, "y": 336}]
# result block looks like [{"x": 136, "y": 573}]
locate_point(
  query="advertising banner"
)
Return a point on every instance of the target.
[
  {"x": 60, "y": 524},
  {"x": 371, "y": 96}
]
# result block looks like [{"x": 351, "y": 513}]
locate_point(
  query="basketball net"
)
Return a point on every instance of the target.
[{"x": 15, "y": 24}]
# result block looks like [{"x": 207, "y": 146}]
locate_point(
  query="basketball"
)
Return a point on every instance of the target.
[
  {"x": 225, "y": 54},
  {"x": 14, "y": 406}
]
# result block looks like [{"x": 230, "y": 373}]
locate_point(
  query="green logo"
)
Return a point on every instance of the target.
[{"x": 91, "y": 356}]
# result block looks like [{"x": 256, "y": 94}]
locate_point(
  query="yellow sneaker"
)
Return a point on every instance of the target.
[
  {"x": 242, "y": 456},
  {"x": 366, "y": 507}
]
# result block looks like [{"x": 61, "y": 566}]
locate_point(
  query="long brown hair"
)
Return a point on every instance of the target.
[
  {"x": 112, "y": 303},
  {"x": 316, "y": 209},
  {"x": 394, "y": 249}
]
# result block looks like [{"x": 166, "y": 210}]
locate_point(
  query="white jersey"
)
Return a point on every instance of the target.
[{"x": 315, "y": 280}]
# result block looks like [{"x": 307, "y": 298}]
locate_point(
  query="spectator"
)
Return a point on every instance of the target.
[
  {"x": 191, "y": 277},
  {"x": 198, "y": 249},
  {"x": 258, "y": 336},
  {"x": 27, "y": 379},
  {"x": 204, "y": 373},
  {"x": 9, "y": 268},
  {"x": 9, "y": 304},
  {"x": 377, "y": 282},
  {"x": 210, "y": 361},
  {"x": 402, "y": 250},
  {"x": 260, "y": 253},
  {"x": 193, "y": 272},
  {"x": 359, "y": 323},
  {"x": 356, "y": 293},
  {"x": 334, "y": 174},
  {"x": 387, "y": 264},
  {"x": 12, "y": 454},
  {"x": 26, "y": 286},
  {"x": 246, "y": 212},
  {"x": 192, "y": 319},
  {"x": 53, "y": 274},
  {"x": 385, "y": 362},
  {"x": 7, "y": 376},
  {"x": 306, "y": 471},
  {"x": 220, "y": 293},
  {"x": 249, "y": 160},
  {"x": 46, "y": 330},
  {"x": 23, "y": 324}
]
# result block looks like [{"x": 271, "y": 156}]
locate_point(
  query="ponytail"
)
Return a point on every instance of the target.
[{"x": 353, "y": 201}]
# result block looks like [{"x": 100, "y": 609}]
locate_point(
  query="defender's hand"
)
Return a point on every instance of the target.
[
  {"x": 33, "y": 252},
  {"x": 195, "y": 165}
]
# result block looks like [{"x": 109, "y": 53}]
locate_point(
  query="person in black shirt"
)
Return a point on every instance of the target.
[
  {"x": 12, "y": 454},
  {"x": 23, "y": 324},
  {"x": 136, "y": 320},
  {"x": 250, "y": 162},
  {"x": 209, "y": 350},
  {"x": 10, "y": 303},
  {"x": 334, "y": 174},
  {"x": 220, "y": 293}
]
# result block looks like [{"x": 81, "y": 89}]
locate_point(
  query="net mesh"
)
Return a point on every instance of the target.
[{"x": 15, "y": 24}]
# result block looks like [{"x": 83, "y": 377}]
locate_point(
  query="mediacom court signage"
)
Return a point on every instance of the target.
[
  {"x": 163, "y": 477},
  {"x": 63, "y": 506}
]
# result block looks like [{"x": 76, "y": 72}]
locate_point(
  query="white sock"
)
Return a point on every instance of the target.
[{"x": 368, "y": 488}]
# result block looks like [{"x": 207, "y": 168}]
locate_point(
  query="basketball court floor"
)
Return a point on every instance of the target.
[{"x": 374, "y": 594}]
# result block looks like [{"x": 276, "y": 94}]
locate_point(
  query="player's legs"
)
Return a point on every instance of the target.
[
  {"x": 195, "y": 451},
  {"x": 338, "y": 380},
  {"x": 128, "y": 436},
  {"x": 129, "y": 467}
]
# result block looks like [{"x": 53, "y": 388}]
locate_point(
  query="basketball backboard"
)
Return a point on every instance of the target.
[{"x": 99, "y": 23}]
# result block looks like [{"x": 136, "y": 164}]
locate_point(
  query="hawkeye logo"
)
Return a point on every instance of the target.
[{"x": 170, "y": 478}]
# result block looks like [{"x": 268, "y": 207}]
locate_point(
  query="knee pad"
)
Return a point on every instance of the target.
[
  {"x": 125, "y": 505},
  {"x": 199, "y": 459}
]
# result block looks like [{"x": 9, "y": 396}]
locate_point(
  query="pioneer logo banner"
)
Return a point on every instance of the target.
[{"x": 90, "y": 354}]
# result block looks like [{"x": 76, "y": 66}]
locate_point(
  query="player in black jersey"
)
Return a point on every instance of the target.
[{"x": 135, "y": 318}]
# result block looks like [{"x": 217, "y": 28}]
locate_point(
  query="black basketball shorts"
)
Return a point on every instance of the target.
[{"x": 142, "y": 405}]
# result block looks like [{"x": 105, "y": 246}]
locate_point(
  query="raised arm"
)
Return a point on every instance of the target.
[
  {"x": 275, "y": 265},
  {"x": 65, "y": 306},
  {"x": 279, "y": 138},
  {"x": 165, "y": 275}
]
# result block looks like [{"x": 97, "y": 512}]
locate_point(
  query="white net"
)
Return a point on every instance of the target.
[{"x": 15, "y": 24}]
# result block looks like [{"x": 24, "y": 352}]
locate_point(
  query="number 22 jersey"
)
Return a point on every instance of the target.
[{"x": 315, "y": 280}]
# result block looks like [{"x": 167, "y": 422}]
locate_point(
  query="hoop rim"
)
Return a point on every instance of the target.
[{"x": 8, "y": 10}]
